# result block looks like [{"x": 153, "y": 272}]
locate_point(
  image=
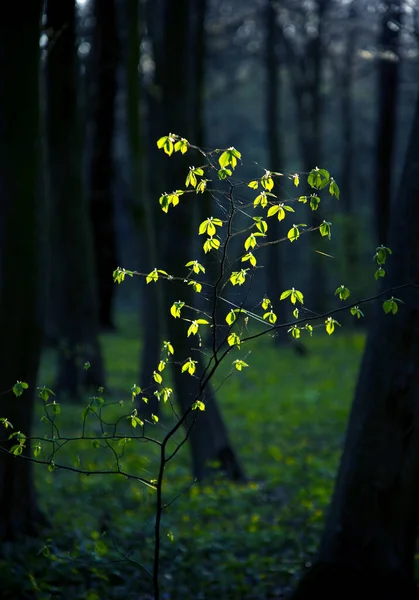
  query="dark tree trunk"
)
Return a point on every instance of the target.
[
  {"x": 73, "y": 294},
  {"x": 102, "y": 208},
  {"x": 274, "y": 284},
  {"x": 388, "y": 79},
  {"x": 347, "y": 75},
  {"x": 208, "y": 436},
  {"x": 306, "y": 77},
  {"x": 146, "y": 210},
  {"x": 369, "y": 541},
  {"x": 21, "y": 224}
]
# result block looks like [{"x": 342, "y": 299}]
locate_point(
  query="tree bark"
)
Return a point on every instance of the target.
[
  {"x": 347, "y": 75},
  {"x": 146, "y": 210},
  {"x": 274, "y": 284},
  {"x": 388, "y": 79},
  {"x": 306, "y": 77},
  {"x": 369, "y": 541},
  {"x": 208, "y": 435},
  {"x": 21, "y": 223},
  {"x": 73, "y": 294},
  {"x": 102, "y": 206}
]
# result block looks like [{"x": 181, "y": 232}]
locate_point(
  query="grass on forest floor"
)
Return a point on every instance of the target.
[{"x": 286, "y": 416}]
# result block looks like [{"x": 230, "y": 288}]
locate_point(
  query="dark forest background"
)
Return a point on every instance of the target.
[{"x": 86, "y": 90}]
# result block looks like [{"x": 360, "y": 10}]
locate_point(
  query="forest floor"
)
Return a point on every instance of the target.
[{"x": 286, "y": 415}]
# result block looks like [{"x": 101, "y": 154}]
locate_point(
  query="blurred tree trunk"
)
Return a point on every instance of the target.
[
  {"x": 346, "y": 76},
  {"x": 388, "y": 80},
  {"x": 274, "y": 284},
  {"x": 147, "y": 190},
  {"x": 21, "y": 224},
  {"x": 73, "y": 294},
  {"x": 208, "y": 435},
  {"x": 369, "y": 541},
  {"x": 306, "y": 71},
  {"x": 102, "y": 208}
]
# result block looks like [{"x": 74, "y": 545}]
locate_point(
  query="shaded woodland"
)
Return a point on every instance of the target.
[{"x": 86, "y": 90}]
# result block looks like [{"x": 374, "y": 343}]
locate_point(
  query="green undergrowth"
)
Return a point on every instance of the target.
[{"x": 286, "y": 417}]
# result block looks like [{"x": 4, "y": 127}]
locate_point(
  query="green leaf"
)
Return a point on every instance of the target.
[
  {"x": 198, "y": 405},
  {"x": 294, "y": 295},
  {"x": 16, "y": 449},
  {"x": 261, "y": 225},
  {"x": 271, "y": 317},
  {"x": 267, "y": 182},
  {"x": 161, "y": 366},
  {"x": 51, "y": 466},
  {"x": 343, "y": 292},
  {"x": 273, "y": 210},
  {"x": 330, "y": 325},
  {"x": 157, "y": 377},
  {"x": 193, "y": 328},
  {"x": 211, "y": 244},
  {"x": 202, "y": 186},
  {"x": 229, "y": 158},
  {"x": 181, "y": 145},
  {"x": 152, "y": 276},
  {"x": 266, "y": 303},
  {"x": 238, "y": 277},
  {"x": 45, "y": 393},
  {"x": 19, "y": 388},
  {"x": 293, "y": 234},
  {"x": 295, "y": 332},
  {"x": 176, "y": 308},
  {"x": 224, "y": 173},
  {"x": 318, "y": 178},
  {"x": 250, "y": 257},
  {"x": 314, "y": 202},
  {"x": 166, "y": 142},
  {"x": 240, "y": 364},
  {"x": 197, "y": 287},
  {"x": 96, "y": 444},
  {"x": 391, "y": 306},
  {"x": 334, "y": 189},
  {"x": 380, "y": 255},
  {"x": 233, "y": 340},
  {"x": 380, "y": 272},
  {"x": 135, "y": 390},
  {"x": 356, "y": 312},
  {"x": 195, "y": 266},
  {"x": 189, "y": 366},
  {"x": 209, "y": 226},
  {"x": 262, "y": 199},
  {"x": 231, "y": 317},
  {"x": 6, "y": 423},
  {"x": 154, "y": 418},
  {"x": 168, "y": 347},
  {"x": 325, "y": 229},
  {"x": 253, "y": 184}
]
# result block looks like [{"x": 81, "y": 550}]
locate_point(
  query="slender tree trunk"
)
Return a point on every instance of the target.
[
  {"x": 147, "y": 190},
  {"x": 348, "y": 158},
  {"x": 274, "y": 284},
  {"x": 314, "y": 156},
  {"x": 369, "y": 541},
  {"x": 21, "y": 299},
  {"x": 102, "y": 206},
  {"x": 306, "y": 78},
  {"x": 388, "y": 79},
  {"x": 73, "y": 285},
  {"x": 208, "y": 436}
]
